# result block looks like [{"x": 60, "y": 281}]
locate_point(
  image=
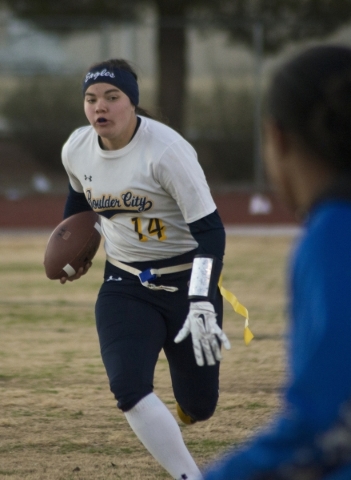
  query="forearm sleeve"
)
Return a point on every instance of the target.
[
  {"x": 210, "y": 235},
  {"x": 75, "y": 203}
]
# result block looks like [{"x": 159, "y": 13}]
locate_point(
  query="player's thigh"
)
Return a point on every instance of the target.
[{"x": 131, "y": 334}]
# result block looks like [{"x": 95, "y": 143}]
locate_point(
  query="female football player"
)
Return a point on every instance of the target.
[
  {"x": 308, "y": 157},
  {"x": 164, "y": 243}
]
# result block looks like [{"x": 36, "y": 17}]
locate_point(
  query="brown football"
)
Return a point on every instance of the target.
[{"x": 72, "y": 244}]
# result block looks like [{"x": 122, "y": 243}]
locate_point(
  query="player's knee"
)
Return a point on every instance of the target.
[
  {"x": 200, "y": 410},
  {"x": 202, "y": 414},
  {"x": 127, "y": 398}
]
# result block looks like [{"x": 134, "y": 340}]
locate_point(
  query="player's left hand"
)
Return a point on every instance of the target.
[
  {"x": 201, "y": 323},
  {"x": 82, "y": 271}
]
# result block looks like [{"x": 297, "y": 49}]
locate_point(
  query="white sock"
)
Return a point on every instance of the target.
[{"x": 158, "y": 430}]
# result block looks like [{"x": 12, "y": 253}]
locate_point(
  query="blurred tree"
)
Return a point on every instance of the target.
[
  {"x": 42, "y": 123},
  {"x": 284, "y": 20}
]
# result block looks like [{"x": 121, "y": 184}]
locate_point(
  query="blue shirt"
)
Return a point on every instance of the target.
[{"x": 319, "y": 385}]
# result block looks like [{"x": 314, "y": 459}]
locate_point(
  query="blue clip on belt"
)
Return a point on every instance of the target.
[{"x": 146, "y": 276}]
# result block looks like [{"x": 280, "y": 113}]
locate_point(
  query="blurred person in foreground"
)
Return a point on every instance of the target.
[{"x": 308, "y": 158}]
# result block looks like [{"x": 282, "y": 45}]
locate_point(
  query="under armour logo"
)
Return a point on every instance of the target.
[
  {"x": 90, "y": 178},
  {"x": 111, "y": 278}
]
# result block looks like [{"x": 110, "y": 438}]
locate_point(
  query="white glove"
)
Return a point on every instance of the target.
[{"x": 201, "y": 323}]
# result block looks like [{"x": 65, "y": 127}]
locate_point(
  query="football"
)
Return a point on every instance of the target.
[{"x": 72, "y": 244}]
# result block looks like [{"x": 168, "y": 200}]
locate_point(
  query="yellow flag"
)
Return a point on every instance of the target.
[
  {"x": 238, "y": 308},
  {"x": 248, "y": 335}
]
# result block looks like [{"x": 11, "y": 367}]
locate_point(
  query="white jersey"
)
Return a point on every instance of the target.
[{"x": 146, "y": 192}]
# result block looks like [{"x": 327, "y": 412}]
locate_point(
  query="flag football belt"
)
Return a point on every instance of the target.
[{"x": 151, "y": 273}]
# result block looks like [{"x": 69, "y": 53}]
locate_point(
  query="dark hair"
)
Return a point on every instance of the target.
[
  {"x": 310, "y": 96},
  {"x": 123, "y": 65}
]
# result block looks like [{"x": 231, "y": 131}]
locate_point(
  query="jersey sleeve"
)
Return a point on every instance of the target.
[
  {"x": 182, "y": 177},
  {"x": 66, "y": 161},
  {"x": 319, "y": 368}
]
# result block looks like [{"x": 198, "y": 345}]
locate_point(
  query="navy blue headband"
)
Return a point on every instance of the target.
[{"x": 122, "y": 79}]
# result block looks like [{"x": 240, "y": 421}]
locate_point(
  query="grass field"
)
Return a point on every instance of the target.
[{"x": 58, "y": 419}]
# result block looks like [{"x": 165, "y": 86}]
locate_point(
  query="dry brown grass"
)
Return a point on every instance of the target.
[{"x": 58, "y": 420}]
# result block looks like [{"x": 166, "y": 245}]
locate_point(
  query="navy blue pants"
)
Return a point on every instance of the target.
[{"x": 134, "y": 323}]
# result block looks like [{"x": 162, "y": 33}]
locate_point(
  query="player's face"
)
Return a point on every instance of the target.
[
  {"x": 111, "y": 113},
  {"x": 278, "y": 165}
]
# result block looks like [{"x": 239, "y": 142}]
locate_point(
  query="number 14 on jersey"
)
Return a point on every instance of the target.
[{"x": 155, "y": 227}]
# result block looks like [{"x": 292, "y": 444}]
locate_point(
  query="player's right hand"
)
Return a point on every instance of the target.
[{"x": 82, "y": 271}]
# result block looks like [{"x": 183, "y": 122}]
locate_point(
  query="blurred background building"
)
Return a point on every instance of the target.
[{"x": 202, "y": 68}]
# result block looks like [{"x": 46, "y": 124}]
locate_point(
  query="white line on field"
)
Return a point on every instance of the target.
[
  {"x": 239, "y": 230},
  {"x": 263, "y": 230}
]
